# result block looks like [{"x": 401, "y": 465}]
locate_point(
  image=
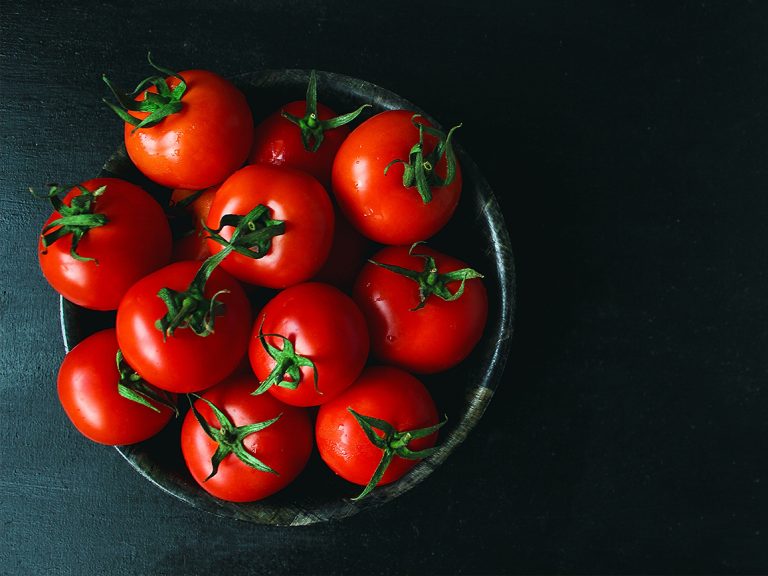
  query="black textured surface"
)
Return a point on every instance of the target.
[{"x": 626, "y": 144}]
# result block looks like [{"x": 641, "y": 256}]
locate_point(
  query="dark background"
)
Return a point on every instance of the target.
[{"x": 627, "y": 145}]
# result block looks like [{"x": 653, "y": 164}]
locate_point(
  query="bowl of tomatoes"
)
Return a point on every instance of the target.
[{"x": 323, "y": 355}]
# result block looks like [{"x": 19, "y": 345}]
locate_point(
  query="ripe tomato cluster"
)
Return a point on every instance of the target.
[{"x": 265, "y": 312}]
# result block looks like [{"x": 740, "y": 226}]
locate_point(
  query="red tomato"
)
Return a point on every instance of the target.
[
  {"x": 378, "y": 204},
  {"x": 203, "y": 143},
  {"x": 348, "y": 252},
  {"x": 323, "y": 325},
  {"x": 88, "y": 391},
  {"x": 382, "y": 392},
  {"x": 135, "y": 240},
  {"x": 193, "y": 245},
  {"x": 184, "y": 362},
  {"x": 431, "y": 339},
  {"x": 277, "y": 141},
  {"x": 284, "y": 446},
  {"x": 292, "y": 197}
]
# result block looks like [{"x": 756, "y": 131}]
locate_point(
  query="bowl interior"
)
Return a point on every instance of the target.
[{"x": 477, "y": 234}]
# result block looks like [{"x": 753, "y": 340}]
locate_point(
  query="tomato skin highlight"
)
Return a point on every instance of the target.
[
  {"x": 185, "y": 362},
  {"x": 293, "y": 197},
  {"x": 324, "y": 325},
  {"x": 382, "y": 392},
  {"x": 135, "y": 241},
  {"x": 87, "y": 389},
  {"x": 284, "y": 446},
  {"x": 277, "y": 141},
  {"x": 378, "y": 204},
  {"x": 202, "y": 144},
  {"x": 425, "y": 341}
]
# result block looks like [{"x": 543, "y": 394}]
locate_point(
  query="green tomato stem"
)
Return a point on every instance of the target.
[
  {"x": 158, "y": 105},
  {"x": 229, "y": 438},
  {"x": 312, "y": 129},
  {"x": 76, "y": 219},
  {"x": 190, "y": 308},
  {"x": 392, "y": 443},
  {"x": 132, "y": 386},
  {"x": 430, "y": 280},
  {"x": 419, "y": 169},
  {"x": 287, "y": 363}
]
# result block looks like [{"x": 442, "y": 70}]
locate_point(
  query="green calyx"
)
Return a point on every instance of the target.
[
  {"x": 430, "y": 280},
  {"x": 229, "y": 438},
  {"x": 157, "y": 105},
  {"x": 420, "y": 168},
  {"x": 392, "y": 443},
  {"x": 133, "y": 387},
  {"x": 190, "y": 308},
  {"x": 252, "y": 237},
  {"x": 253, "y": 232},
  {"x": 76, "y": 219},
  {"x": 312, "y": 128},
  {"x": 287, "y": 362}
]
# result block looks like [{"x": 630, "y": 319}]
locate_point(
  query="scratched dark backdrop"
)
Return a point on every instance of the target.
[{"x": 627, "y": 145}]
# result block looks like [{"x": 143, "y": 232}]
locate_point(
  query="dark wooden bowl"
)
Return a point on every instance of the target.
[{"x": 477, "y": 234}]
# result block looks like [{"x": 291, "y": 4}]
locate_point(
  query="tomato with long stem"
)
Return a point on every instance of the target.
[
  {"x": 296, "y": 224},
  {"x": 183, "y": 327}
]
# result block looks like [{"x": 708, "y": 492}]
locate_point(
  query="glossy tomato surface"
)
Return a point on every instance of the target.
[
  {"x": 382, "y": 392},
  {"x": 430, "y": 339},
  {"x": 184, "y": 362},
  {"x": 284, "y": 446},
  {"x": 277, "y": 141},
  {"x": 87, "y": 388},
  {"x": 325, "y": 326},
  {"x": 378, "y": 204},
  {"x": 293, "y": 197},
  {"x": 135, "y": 241},
  {"x": 202, "y": 144}
]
